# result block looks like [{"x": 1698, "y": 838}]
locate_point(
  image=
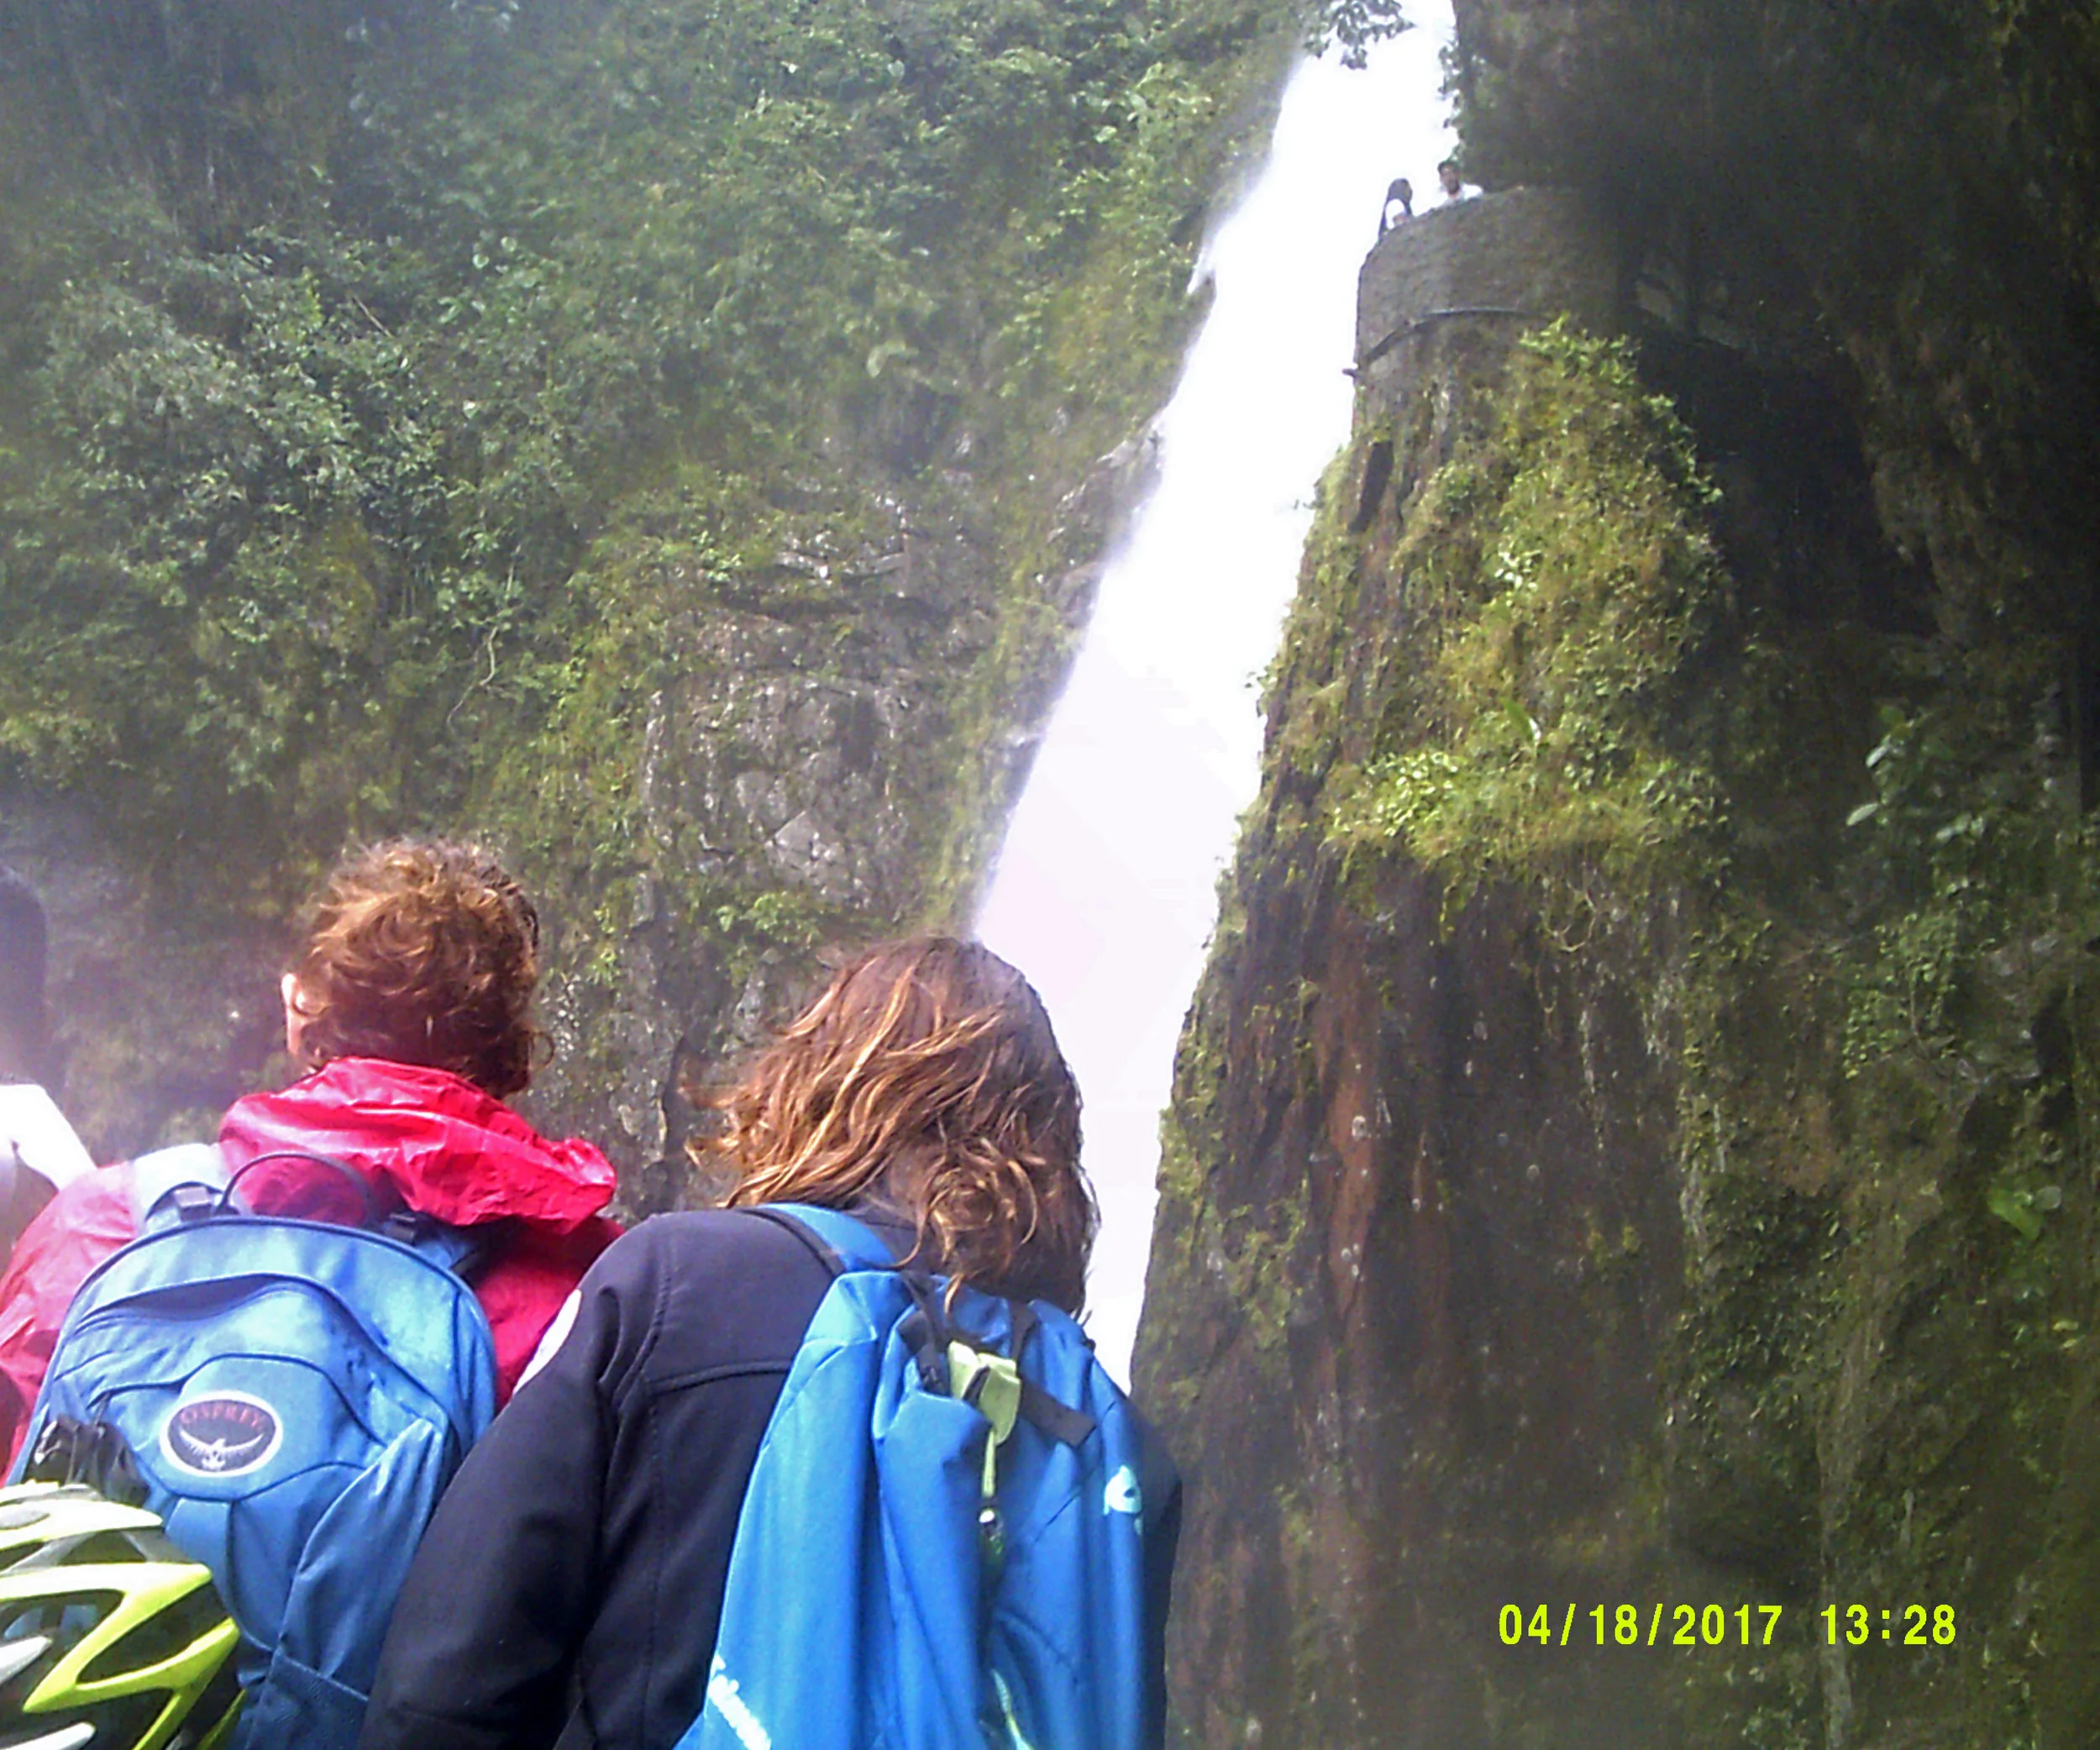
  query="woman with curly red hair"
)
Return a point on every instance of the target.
[
  {"x": 570, "y": 1586},
  {"x": 410, "y": 1008}
]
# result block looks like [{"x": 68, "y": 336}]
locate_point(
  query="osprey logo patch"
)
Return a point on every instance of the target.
[{"x": 228, "y": 1434}]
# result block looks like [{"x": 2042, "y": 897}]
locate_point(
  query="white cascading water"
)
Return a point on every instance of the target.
[{"x": 1105, "y": 891}]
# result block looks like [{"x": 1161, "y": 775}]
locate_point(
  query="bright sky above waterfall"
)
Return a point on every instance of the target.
[{"x": 1106, "y": 889}]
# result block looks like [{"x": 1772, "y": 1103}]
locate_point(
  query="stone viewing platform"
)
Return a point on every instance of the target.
[{"x": 1528, "y": 255}]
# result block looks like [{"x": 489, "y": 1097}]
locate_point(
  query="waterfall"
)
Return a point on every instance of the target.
[{"x": 1105, "y": 890}]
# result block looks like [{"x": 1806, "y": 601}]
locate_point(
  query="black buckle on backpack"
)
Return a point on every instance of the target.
[
  {"x": 1060, "y": 1421},
  {"x": 928, "y": 1335},
  {"x": 91, "y": 1453},
  {"x": 461, "y": 1250},
  {"x": 925, "y": 1333}
]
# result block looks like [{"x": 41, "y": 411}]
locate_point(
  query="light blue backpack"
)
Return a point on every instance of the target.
[
  {"x": 939, "y": 1549},
  {"x": 295, "y": 1396}
]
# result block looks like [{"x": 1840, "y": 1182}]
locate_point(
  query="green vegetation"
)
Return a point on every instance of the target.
[
  {"x": 1564, "y": 586},
  {"x": 1840, "y": 874},
  {"x": 304, "y": 480},
  {"x": 400, "y": 405},
  {"x": 1716, "y": 775}
]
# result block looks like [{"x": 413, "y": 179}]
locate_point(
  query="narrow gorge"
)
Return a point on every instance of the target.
[{"x": 1628, "y": 1146}]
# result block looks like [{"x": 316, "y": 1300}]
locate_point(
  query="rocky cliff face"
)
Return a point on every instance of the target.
[
  {"x": 790, "y": 769},
  {"x": 1632, "y": 1143},
  {"x": 669, "y": 441}
]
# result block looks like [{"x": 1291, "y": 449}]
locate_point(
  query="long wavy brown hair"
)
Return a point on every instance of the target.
[
  {"x": 422, "y": 951},
  {"x": 927, "y": 1077}
]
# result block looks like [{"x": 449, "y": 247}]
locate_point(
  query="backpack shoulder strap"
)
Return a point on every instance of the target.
[
  {"x": 1062, "y": 1423},
  {"x": 844, "y": 1242}
]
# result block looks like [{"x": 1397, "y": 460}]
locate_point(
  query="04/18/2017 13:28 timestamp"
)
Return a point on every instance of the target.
[{"x": 1683, "y": 1625}]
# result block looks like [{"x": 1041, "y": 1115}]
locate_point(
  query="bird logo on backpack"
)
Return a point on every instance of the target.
[{"x": 941, "y": 1546}]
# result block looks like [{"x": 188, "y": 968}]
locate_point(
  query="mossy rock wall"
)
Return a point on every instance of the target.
[
  {"x": 1631, "y": 1143},
  {"x": 673, "y": 440}
]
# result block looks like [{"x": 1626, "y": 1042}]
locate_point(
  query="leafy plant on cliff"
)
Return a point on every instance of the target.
[
  {"x": 1561, "y": 584},
  {"x": 332, "y": 462},
  {"x": 1970, "y": 844}
]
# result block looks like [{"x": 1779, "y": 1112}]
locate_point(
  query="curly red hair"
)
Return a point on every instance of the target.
[
  {"x": 422, "y": 951},
  {"x": 927, "y": 1075}
]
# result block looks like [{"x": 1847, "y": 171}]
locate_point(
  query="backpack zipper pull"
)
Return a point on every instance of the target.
[{"x": 991, "y": 1384}]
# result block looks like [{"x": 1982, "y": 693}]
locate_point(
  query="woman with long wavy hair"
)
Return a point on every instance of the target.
[{"x": 570, "y": 1587}]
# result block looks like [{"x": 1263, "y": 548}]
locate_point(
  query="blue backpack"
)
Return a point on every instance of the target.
[
  {"x": 295, "y": 1396},
  {"x": 939, "y": 1549}
]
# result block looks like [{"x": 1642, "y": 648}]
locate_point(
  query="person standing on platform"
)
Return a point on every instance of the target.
[
  {"x": 1400, "y": 205},
  {"x": 1455, "y": 187}
]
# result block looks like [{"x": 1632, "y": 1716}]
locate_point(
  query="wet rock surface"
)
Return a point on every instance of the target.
[
  {"x": 1449, "y": 1343},
  {"x": 807, "y": 752},
  {"x": 803, "y": 751},
  {"x": 1634, "y": 1136}
]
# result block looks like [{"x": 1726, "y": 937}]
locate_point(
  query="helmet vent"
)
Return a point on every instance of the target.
[
  {"x": 97, "y": 1549},
  {"x": 162, "y": 1636},
  {"x": 65, "y": 1617},
  {"x": 48, "y": 1625},
  {"x": 74, "y": 1736},
  {"x": 17, "y": 1655}
]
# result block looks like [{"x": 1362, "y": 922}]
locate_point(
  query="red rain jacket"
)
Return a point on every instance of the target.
[{"x": 422, "y": 1138}]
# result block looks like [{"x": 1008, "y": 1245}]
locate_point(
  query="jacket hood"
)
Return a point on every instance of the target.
[{"x": 430, "y": 1138}]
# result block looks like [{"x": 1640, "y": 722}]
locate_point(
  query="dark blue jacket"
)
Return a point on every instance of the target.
[{"x": 568, "y": 1589}]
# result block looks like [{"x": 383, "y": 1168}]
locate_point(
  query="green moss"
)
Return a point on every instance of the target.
[
  {"x": 1839, "y": 873},
  {"x": 1564, "y": 584},
  {"x": 1256, "y": 1260},
  {"x": 393, "y": 409}
]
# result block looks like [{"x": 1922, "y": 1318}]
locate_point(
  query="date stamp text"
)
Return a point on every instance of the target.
[{"x": 1715, "y": 1625}]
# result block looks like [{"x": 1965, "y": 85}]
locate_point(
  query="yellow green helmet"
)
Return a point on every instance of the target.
[{"x": 111, "y": 1638}]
